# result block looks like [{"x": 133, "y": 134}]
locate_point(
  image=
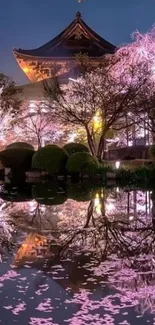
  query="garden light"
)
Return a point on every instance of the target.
[{"x": 117, "y": 164}]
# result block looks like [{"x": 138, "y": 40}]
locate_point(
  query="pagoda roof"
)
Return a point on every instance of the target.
[{"x": 77, "y": 37}]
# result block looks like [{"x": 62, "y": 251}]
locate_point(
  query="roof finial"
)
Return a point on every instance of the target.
[{"x": 78, "y": 15}]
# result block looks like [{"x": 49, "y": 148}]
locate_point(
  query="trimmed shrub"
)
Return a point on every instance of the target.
[
  {"x": 51, "y": 145},
  {"x": 152, "y": 151},
  {"x": 124, "y": 174},
  {"x": 104, "y": 167},
  {"x": 140, "y": 176},
  {"x": 51, "y": 159},
  {"x": 142, "y": 173},
  {"x": 20, "y": 145},
  {"x": 136, "y": 163},
  {"x": 82, "y": 162},
  {"x": 48, "y": 195},
  {"x": 80, "y": 193},
  {"x": 17, "y": 158},
  {"x": 72, "y": 147},
  {"x": 16, "y": 193},
  {"x": 145, "y": 174}
]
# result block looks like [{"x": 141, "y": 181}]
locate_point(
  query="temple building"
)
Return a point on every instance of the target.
[{"x": 58, "y": 57}]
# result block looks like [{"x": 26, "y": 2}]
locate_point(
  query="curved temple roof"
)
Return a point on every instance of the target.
[{"x": 77, "y": 37}]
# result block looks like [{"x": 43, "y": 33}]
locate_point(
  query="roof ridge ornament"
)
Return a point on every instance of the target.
[{"x": 78, "y": 15}]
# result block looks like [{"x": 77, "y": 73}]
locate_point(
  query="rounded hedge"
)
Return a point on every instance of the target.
[
  {"x": 51, "y": 159},
  {"x": 82, "y": 162},
  {"x": 80, "y": 193},
  {"x": 49, "y": 195},
  {"x": 51, "y": 145},
  {"x": 72, "y": 148},
  {"x": 20, "y": 145},
  {"x": 16, "y": 193},
  {"x": 17, "y": 158}
]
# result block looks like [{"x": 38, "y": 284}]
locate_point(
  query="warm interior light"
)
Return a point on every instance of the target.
[{"x": 26, "y": 69}]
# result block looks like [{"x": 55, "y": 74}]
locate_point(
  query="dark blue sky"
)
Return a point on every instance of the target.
[{"x": 31, "y": 23}]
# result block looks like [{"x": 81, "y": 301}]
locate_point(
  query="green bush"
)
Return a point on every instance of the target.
[
  {"x": 124, "y": 174},
  {"x": 51, "y": 159},
  {"x": 144, "y": 173},
  {"x": 81, "y": 193},
  {"x": 16, "y": 193},
  {"x": 20, "y": 145},
  {"x": 51, "y": 194},
  {"x": 82, "y": 162},
  {"x": 72, "y": 147},
  {"x": 17, "y": 158},
  {"x": 139, "y": 176},
  {"x": 51, "y": 145},
  {"x": 152, "y": 151},
  {"x": 104, "y": 167}
]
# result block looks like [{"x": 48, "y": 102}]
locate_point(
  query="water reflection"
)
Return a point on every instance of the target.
[{"x": 97, "y": 245}]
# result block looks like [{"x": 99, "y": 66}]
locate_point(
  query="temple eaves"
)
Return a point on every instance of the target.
[{"x": 61, "y": 51}]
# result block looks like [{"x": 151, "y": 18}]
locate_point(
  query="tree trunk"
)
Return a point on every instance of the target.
[
  {"x": 91, "y": 143},
  {"x": 39, "y": 142},
  {"x": 101, "y": 148},
  {"x": 90, "y": 213}
]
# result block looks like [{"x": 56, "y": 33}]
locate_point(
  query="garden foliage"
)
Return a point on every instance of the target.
[
  {"x": 20, "y": 145},
  {"x": 17, "y": 158},
  {"x": 72, "y": 147},
  {"x": 51, "y": 159},
  {"x": 82, "y": 162}
]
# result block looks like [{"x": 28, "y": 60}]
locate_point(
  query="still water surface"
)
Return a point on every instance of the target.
[{"x": 75, "y": 255}]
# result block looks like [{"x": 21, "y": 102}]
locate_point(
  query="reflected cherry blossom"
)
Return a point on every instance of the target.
[{"x": 99, "y": 253}]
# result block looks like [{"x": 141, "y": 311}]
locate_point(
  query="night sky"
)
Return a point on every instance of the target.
[{"x": 31, "y": 23}]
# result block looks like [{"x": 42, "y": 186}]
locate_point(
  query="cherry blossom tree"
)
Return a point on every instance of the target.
[
  {"x": 9, "y": 106},
  {"x": 38, "y": 127},
  {"x": 7, "y": 229},
  {"x": 8, "y": 100},
  {"x": 100, "y": 100},
  {"x": 141, "y": 51}
]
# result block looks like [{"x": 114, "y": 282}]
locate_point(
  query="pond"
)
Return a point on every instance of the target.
[{"x": 75, "y": 254}]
